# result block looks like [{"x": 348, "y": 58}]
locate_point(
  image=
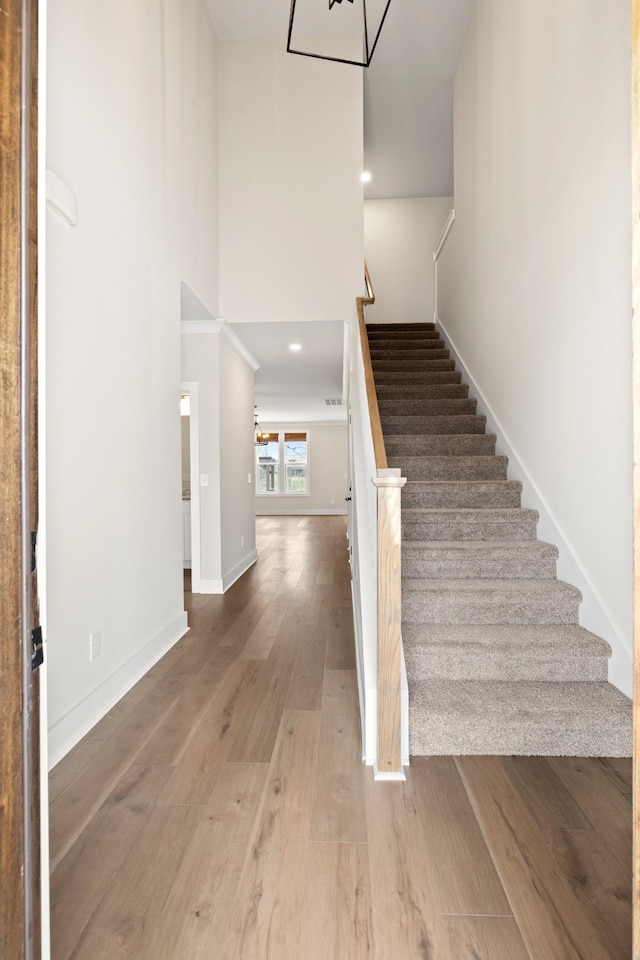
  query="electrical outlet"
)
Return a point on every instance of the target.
[
  {"x": 95, "y": 645},
  {"x": 249, "y": 477},
  {"x": 242, "y": 541}
]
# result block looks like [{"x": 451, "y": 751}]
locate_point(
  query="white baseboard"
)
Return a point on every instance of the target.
[
  {"x": 221, "y": 586},
  {"x": 72, "y": 727},
  {"x": 287, "y": 512},
  {"x": 594, "y": 614}
]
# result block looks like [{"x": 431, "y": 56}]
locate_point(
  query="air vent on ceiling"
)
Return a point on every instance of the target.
[{"x": 333, "y": 402}]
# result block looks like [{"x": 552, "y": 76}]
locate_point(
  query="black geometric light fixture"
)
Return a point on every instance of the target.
[
  {"x": 324, "y": 33},
  {"x": 261, "y": 439}
]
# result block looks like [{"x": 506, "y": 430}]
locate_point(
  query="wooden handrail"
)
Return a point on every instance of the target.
[{"x": 372, "y": 399}]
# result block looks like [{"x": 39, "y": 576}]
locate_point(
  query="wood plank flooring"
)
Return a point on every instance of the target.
[{"x": 221, "y": 810}]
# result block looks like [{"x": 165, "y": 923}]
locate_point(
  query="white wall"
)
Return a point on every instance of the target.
[
  {"x": 132, "y": 112},
  {"x": 201, "y": 364},
  {"x": 535, "y": 278},
  {"x": 291, "y": 198},
  {"x": 238, "y": 525},
  {"x": 219, "y": 365},
  {"x": 328, "y": 482},
  {"x": 399, "y": 240}
]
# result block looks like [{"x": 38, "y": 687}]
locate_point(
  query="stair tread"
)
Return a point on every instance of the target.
[
  {"x": 428, "y": 407},
  {"x": 523, "y": 717},
  {"x": 471, "y": 514},
  {"x": 489, "y": 588},
  {"x": 421, "y": 391},
  {"x": 459, "y": 484},
  {"x": 390, "y": 439},
  {"x": 457, "y": 549},
  {"x": 557, "y": 640},
  {"x": 503, "y": 667}
]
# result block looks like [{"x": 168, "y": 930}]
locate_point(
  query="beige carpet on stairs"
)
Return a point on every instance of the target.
[{"x": 497, "y": 662}]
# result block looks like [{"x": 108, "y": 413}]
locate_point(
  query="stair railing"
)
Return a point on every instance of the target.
[
  {"x": 436, "y": 255},
  {"x": 390, "y": 659}
]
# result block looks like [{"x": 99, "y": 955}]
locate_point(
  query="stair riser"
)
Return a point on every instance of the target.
[
  {"x": 422, "y": 426},
  {"x": 428, "y": 391},
  {"x": 451, "y": 468},
  {"x": 412, "y": 366},
  {"x": 440, "y": 445},
  {"x": 460, "y": 495},
  {"x": 519, "y": 741},
  {"x": 493, "y": 608},
  {"x": 445, "y": 407},
  {"x": 417, "y": 377},
  {"x": 434, "y": 664},
  {"x": 450, "y": 497},
  {"x": 526, "y": 568},
  {"x": 400, "y": 328},
  {"x": 443, "y": 530},
  {"x": 404, "y": 345},
  {"x": 480, "y": 598}
]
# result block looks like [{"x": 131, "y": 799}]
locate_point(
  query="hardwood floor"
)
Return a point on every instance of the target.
[{"x": 221, "y": 810}]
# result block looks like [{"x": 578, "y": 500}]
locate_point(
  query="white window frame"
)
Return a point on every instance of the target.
[{"x": 282, "y": 468}]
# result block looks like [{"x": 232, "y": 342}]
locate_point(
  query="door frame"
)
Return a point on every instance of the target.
[
  {"x": 20, "y": 904},
  {"x": 635, "y": 206}
]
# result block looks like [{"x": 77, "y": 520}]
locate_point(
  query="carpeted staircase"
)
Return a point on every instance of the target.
[{"x": 496, "y": 660}]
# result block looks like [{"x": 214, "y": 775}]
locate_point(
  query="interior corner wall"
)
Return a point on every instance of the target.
[
  {"x": 131, "y": 118},
  {"x": 291, "y": 199},
  {"x": 399, "y": 239},
  {"x": 328, "y": 473},
  {"x": 534, "y": 282}
]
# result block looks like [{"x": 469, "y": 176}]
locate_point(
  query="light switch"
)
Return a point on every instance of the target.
[
  {"x": 249, "y": 477},
  {"x": 204, "y": 479}
]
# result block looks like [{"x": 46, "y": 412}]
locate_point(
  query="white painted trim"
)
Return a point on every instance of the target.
[
  {"x": 61, "y": 198},
  {"x": 370, "y": 758},
  {"x": 220, "y": 326},
  {"x": 400, "y": 775},
  {"x": 236, "y": 344},
  {"x": 200, "y": 326},
  {"x": 72, "y": 727},
  {"x": 236, "y": 572},
  {"x": 436, "y": 253},
  {"x": 286, "y": 512},
  {"x": 221, "y": 586},
  {"x": 45, "y": 906},
  {"x": 191, "y": 387},
  {"x": 594, "y": 612},
  {"x": 357, "y": 629},
  {"x": 443, "y": 236},
  {"x": 210, "y": 586},
  {"x": 404, "y": 716},
  {"x": 308, "y": 424}
]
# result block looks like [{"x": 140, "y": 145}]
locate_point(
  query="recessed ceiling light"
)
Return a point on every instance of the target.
[
  {"x": 295, "y": 347},
  {"x": 366, "y": 176}
]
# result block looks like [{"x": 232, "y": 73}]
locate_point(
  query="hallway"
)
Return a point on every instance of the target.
[{"x": 220, "y": 810}]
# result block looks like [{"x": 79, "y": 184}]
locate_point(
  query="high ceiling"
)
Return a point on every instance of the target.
[{"x": 408, "y": 145}]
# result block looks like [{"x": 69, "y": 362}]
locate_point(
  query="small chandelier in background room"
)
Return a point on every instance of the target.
[
  {"x": 330, "y": 33},
  {"x": 261, "y": 438}
]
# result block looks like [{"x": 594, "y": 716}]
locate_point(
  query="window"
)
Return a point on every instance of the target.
[
  {"x": 269, "y": 464},
  {"x": 282, "y": 465}
]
